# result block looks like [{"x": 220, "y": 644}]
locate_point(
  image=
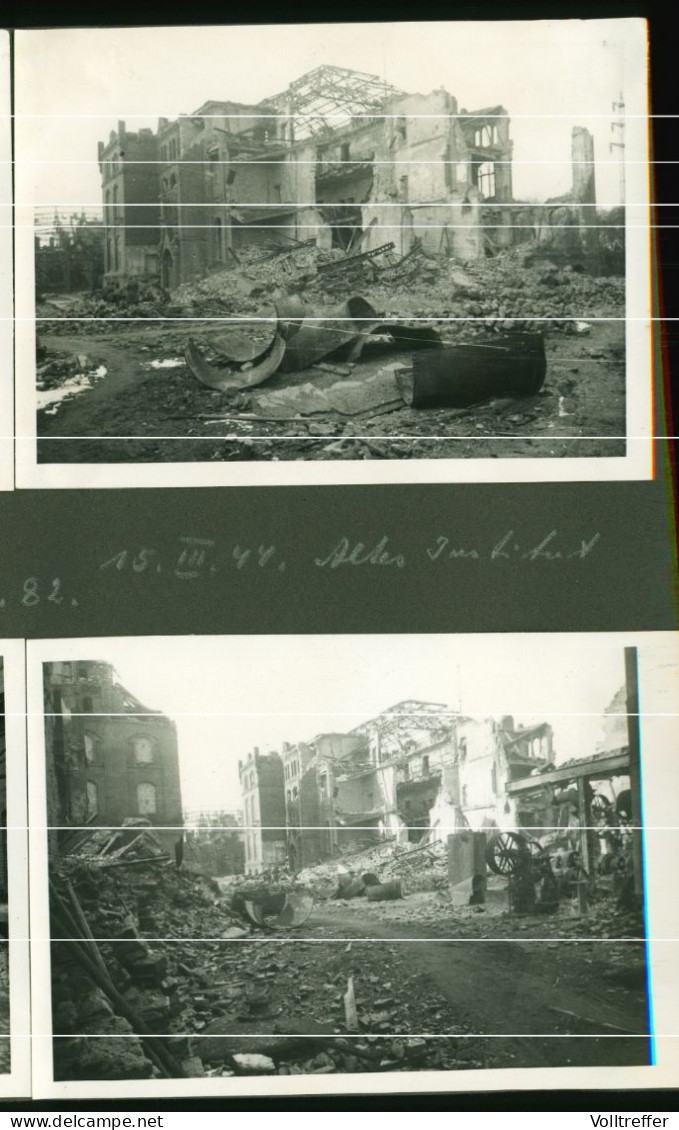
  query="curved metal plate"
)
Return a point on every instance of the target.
[
  {"x": 296, "y": 908},
  {"x": 240, "y": 348},
  {"x": 228, "y": 381}
]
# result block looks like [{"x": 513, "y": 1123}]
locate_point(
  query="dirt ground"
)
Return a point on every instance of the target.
[
  {"x": 140, "y": 413},
  {"x": 435, "y": 988}
]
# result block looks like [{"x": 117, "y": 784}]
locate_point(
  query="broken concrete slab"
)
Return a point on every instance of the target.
[{"x": 227, "y": 1036}]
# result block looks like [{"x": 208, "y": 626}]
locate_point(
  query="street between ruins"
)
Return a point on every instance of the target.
[
  {"x": 165, "y": 415},
  {"x": 435, "y": 987},
  {"x": 497, "y": 987}
]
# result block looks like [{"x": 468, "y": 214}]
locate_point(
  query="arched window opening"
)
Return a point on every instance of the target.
[{"x": 146, "y": 799}]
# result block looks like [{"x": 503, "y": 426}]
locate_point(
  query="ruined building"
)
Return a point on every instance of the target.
[
  {"x": 261, "y": 779},
  {"x": 340, "y": 157},
  {"x": 418, "y": 770},
  {"x": 109, "y": 757}
]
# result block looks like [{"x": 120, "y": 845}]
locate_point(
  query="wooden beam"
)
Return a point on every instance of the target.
[{"x": 592, "y": 769}]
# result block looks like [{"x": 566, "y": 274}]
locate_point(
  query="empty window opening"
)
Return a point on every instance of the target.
[
  {"x": 146, "y": 799},
  {"x": 486, "y": 136},
  {"x": 92, "y": 800},
  {"x": 486, "y": 180},
  {"x": 143, "y": 751}
]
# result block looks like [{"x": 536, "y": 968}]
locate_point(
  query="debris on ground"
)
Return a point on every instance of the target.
[
  {"x": 350, "y": 966},
  {"x": 147, "y": 394}
]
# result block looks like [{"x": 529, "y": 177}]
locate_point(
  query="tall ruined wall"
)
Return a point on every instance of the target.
[
  {"x": 478, "y": 767},
  {"x": 271, "y": 791},
  {"x": 582, "y": 153},
  {"x": 113, "y": 747}
]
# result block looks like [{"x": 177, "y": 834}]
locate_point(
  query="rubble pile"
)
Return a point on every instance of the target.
[
  {"x": 253, "y": 275},
  {"x": 188, "y": 978},
  {"x": 130, "y": 301},
  {"x": 418, "y": 867},
  {"x": 504, "y": 292}
]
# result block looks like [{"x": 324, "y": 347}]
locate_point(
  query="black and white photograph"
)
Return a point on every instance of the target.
[
  {"x": 333, "y": 253},
  {"x": 269, "y": 860},
  {"x": 15, "y": 1051}
]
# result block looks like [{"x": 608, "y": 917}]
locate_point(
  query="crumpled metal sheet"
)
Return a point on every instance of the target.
[
  {"x": 303, "y": 338},
  {"x": 224, "y": 380},
  {"x": 318, "y": 337},
  {"x": 282, "y": 911}
]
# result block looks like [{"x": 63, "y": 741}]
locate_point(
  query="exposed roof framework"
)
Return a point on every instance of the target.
[{"x": 327, "y": 99}]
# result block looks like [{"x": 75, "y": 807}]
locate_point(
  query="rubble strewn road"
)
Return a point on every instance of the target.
[{"x": 436, "y": 986}]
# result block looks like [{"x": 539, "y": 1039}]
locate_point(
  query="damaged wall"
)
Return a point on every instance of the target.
[
  {"x": 264, "y": 816},
  {"x": 615, "y": 724},
  {"x": 482, "y": 774},
  {"x": 112, "y": 758},
  {"x": 427, "y": 791},
  {"x": 129, "y": 171}
]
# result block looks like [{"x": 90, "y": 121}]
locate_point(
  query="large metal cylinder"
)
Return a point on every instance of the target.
[{"x": 458, "y": 376}]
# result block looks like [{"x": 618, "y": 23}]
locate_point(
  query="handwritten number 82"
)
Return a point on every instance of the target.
[{"x": 32, "y": 592}]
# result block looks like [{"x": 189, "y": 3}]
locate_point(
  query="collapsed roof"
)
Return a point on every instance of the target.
[{"x": 329, "y": 98}]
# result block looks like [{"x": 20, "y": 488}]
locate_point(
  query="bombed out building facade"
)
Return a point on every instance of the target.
[
  {"x": 110, "y": 759},
  {"x": 341, "y": 159}
]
